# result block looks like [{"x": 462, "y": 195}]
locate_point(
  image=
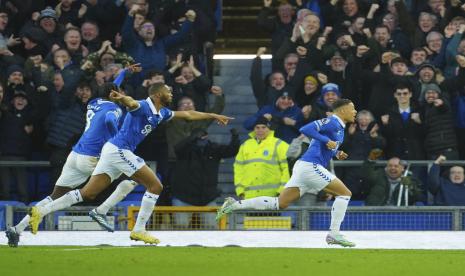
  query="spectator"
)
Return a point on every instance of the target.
[
  {"x": 261, "y": 167},
  {"x": 417, "y": 58},
  {"x": 402, "y": 127},
  {"x": 90, "y": 33},
  {"x": 178, "y": 130},
  {"x": 383, "y": 185},
  {"x": 280, "y": 26},
  {"x": 455, "y": 47},
  {"x": 195, "y": 175},
  {"x": 362, "y": 139},
  {"x": 105, "y": 56},
  {"x": 15, "y": 144},
  {"x": 310, "y": 92},
  {"x": 322, "y": 108},
  {"x": 267, "y": 91},
  {"x": 69, "y": 12},
  {"x": 73, "y": 43},
  {"x": 448, "y": 191},
  {"x": 191, "y": 83},
  {"x": 16, "y": 82},
  {"x": 284, "y": 117},
  {"x": 440, "y": 138},
  {"x": 152, "y": 77},
  {"x": 66, "y": 123},
  {"x": 147, "y": 50},
  {"x": 47, "y": 23}
]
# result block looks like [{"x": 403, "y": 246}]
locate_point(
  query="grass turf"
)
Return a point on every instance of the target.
[{"x": 87, "y": 261}]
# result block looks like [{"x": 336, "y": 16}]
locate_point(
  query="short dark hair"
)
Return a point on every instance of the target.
[
  {"x": 106, "y": 90},
  {"x": 153, "y": 73},
  {"x": 156, "y": 88},
  {"x": 402, "y": 86},
  {"x": 340, "y": 103},
  {"x": 420, "y": 49}
]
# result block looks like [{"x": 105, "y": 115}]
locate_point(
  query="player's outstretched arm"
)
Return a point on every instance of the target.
[
  {"x": 196, "y": 115},
  {"x": 127, "y": 101}
]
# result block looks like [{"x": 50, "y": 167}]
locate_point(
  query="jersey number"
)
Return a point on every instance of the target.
[{"x": 90, "y": 114}]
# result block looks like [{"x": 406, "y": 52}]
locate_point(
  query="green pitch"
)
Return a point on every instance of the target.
[{"x": 141, "y": 261}]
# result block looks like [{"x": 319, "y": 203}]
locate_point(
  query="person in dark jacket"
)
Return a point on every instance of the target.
[
  {"x": 402, "y": 128},
  {"x": 447, "y": 191},
  {"x": 285, "y": 117},
  {"x": 66, "y": 123},
  {"x": 15, "y": 144},
  {"x": 195, "y": 176},
  {"x": 267, "y": 91},
  {"x": 438, "y": 122},
  {"x": 383, "y": 185},
  {"x": 145, "y": 48},
  {"x": 280, "y": 26},
  {"x": 362, "y": 138}
]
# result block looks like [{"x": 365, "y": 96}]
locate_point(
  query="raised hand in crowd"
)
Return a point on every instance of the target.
[
  {"x": 374, "y": 131},
  {"x": 261, "y": 51},
  {"x": 340, "y": 155},
  {"x": 385, "y": 119},
  {"x": 320, "y": 42},
  {"x": 134, "y": 68},
  {"x": 361, "y": 50},
  {"x": 181, "y": 80},
  {"x": 13, "y": 41},
  {"x": 267, "y": 3},
  {"x": 82, "y": 11},
  {"x": 216, "y": 90},
  {"x": 191, "y": 15},
  {"x": 416, "y": 117},
  {"x": 352, "y": 128},
  {"x": 301, "y": 51},
  {"x": 373, "y": 8},
  {"x": 322, "y": 78},
  {"x": 327, "y": 31}
]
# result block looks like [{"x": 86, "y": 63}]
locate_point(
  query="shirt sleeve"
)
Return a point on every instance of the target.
[
  {"x": 111, "y": 121},
  {"x": 168, "y": 114},
  {"x": 314, "y": 129},
  {"x": 140, "y": 111}
]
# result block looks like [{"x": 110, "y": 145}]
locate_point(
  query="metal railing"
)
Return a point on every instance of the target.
[{"x": 387, "y": 218}]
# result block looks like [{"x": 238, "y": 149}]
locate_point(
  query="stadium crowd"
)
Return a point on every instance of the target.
[{"x": 402, "y": 63}]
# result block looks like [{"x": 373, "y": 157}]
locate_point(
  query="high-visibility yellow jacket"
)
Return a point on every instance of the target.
[{"x": 260, "y": 169}]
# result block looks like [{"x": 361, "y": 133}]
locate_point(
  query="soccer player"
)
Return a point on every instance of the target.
[
  {"x": 309, "y": 173},
  {"x": 102, "y": 119},
  {"x": 117, "y": 157}
]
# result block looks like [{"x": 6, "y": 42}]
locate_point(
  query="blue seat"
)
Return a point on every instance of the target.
[
  {"x": 351, "y": 203},
  {"x": 3, "y": 205}
]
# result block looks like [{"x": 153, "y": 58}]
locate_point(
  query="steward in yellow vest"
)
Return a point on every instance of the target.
[{"x": 260, "y": 168}]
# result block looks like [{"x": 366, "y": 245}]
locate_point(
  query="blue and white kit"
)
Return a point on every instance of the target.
[
  {"x": 117, "y": 154},
  {"x": 102, "y": 119},
  {"x": 309, "y": 173}
]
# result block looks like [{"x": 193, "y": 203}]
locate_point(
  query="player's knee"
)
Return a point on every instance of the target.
[
  {"x": 347, "y": 193},
  {"x": 155, "y": 188}
]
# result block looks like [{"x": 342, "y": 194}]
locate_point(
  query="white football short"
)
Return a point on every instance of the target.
[
  {"x": 115, "y": 161},
  {"x": 309, "y": 177},
  {"x": 76, "y": 170}
]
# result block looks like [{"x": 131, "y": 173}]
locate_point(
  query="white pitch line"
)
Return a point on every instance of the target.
[{"x": 445, "y": 240}]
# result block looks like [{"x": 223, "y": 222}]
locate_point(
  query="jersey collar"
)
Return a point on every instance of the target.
[
  {"x": 340, "y": 120},
  {"x": 152, "y": 107}
]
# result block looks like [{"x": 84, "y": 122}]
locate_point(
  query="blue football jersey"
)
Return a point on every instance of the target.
[
  {"x": 102, "y": 120},
  {"x": 139, "y": 123},
  {"x": 322, "y": 131}
]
